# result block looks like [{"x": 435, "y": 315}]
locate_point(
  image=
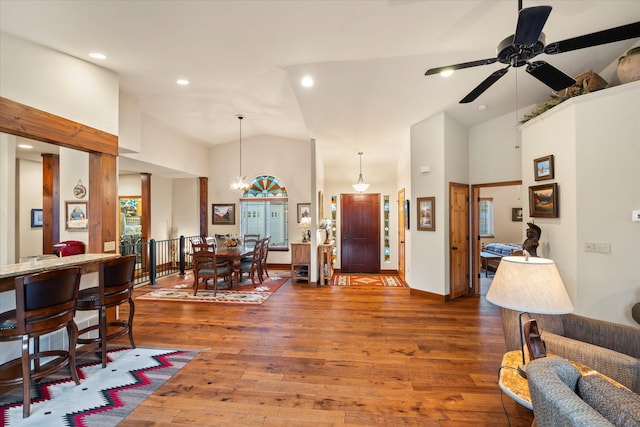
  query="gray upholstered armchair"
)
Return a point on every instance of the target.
[
  {"x": 562, "y": 397},
  {"x": 607, "y": 347}
]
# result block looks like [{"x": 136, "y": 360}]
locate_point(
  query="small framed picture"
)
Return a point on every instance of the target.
[
  {"x": 543, "y": 201},
  {"x": 223, "y": 214},
  {"x": 516, "y": 214},
  {"x": 543, "y": 167},
  {"x": 76, "y": 215},
  {"x": 427, "y": 213},
  {"x": 36, "y": 218},
  {"x": 304, "y": 211}
]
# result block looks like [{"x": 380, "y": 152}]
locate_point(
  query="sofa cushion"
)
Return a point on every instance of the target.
[{"x": 618, "y": 405}]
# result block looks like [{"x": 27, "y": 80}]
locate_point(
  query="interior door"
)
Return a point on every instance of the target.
[
  {"x": 360, "y": 233},
  {"x": 459, "y": 239},
  {"x": 401, "y": 231}
]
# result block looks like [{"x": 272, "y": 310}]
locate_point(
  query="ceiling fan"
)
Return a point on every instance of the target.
[{"x": 528, "y": 41}]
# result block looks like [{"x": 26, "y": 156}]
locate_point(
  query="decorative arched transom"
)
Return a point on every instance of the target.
[{"x": 265, "y": 186}]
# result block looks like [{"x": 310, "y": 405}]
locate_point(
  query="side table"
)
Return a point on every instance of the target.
[{"x": 516, "y": 387}]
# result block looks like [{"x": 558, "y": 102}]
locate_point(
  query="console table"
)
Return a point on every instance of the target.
[
  {"x": 325, "y": 262},
  {"x": 300, "y": 261}
]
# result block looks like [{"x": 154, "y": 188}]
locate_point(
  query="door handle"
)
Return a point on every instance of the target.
[{"x": 454, "y": 248}]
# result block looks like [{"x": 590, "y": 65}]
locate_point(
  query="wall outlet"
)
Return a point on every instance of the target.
[
  {"x": 109, "y": 246},
  {"x": 602, "y": 248}
]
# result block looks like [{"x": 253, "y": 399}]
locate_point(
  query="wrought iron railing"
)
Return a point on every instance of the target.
[{"x": 159, "y": 258}]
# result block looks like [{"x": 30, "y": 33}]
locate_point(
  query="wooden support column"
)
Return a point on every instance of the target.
[
  {"x": 50, "y": 202},
  {"x": 103, "y": 198},
  {"x": 204, "y": 201}
]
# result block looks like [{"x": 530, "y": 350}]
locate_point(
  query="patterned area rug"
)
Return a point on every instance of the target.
[
  {"x": 367, "y": 280},
  {"x": 104, "y": 396},
  {"x": 246, "y": 294}
]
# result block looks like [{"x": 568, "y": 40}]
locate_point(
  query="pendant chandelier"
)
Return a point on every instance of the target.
[
  {"x": 360, "y": 186},
  {"x": 240, "y": 184}
]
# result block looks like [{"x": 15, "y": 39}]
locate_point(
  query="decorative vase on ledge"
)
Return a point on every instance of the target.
[{"x": 629, "y": 66}]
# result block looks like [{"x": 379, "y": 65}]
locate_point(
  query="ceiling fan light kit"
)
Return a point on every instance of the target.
[{"x": 528, "y": 41}]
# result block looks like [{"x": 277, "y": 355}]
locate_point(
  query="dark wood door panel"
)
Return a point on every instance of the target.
[{"x": 360, "y": 233}]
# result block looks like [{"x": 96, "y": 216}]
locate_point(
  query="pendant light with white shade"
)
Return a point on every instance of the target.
[
  {"x": 240, "y": 184},
  {"x": 360, "y": 186}
]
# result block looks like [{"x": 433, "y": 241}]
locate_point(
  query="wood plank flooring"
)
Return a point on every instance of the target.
[{"x": 329, "y": 356}]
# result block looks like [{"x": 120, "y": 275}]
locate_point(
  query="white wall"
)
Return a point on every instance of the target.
[
  {"x": 595, "y": 140},
  {"x": 162, "y": 146},
  {"x": 286, "y": 159},
  {"x": 184, "y": 209},
  {"x": 29, "y": 185},
  {"x": 428, "y": 258},
  {"x": 505, "y": 198},
  {"x": 58, "y": 84},
  {"x": 74, "y": 167}
]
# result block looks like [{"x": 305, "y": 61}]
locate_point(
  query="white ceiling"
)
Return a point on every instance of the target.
[{"x": 368, "y": 60}]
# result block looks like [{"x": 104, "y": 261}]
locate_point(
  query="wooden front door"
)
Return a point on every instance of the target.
[
  {"x": 401, "y": 228},
  {"x": 459, "y": 239},
  {"x": 360, "y": 233}
]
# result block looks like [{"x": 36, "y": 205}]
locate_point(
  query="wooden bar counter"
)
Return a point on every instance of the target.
[{"x": 88, "y": 263}]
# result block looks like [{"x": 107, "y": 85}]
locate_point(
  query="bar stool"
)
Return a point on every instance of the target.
[
  {"x": 45, "y": 303},
  {"x": 115, "y": 287}
]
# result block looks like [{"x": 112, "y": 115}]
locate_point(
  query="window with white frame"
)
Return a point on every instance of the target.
[
  {"x": 264, "y": 209},
  {"x": 486, "y": 217}
]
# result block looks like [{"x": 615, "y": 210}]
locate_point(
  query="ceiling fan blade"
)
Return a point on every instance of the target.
[
  {"x": 461, "y": 66},
  {"x": 549, "y": 75},
  {"x": 611, "y": 35},
  {"x": 486, "y": 84},
  {"x": 531, "y": 20}
]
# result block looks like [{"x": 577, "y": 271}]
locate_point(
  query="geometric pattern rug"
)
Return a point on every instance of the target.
[
  {"x": 103, "y": 398},
  {"x": 246, "y": 294},
  {"x": 367, "y": 280}
]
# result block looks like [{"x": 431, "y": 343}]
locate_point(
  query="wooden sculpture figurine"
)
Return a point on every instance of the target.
[{"x": 533, "y": 237}]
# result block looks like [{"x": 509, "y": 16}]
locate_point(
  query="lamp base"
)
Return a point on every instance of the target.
[{"x": 522, "y": 370}]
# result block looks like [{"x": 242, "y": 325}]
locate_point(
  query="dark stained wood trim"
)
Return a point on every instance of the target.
[
  {"x": 103, "y": 203},
  {"x": 28, "y": 122},
  {"x": 203, "y": 207},
  {"x": 50, "y": 202},
  {"x": 429, "y": 295},
  {"x": 498, "y": 184}
]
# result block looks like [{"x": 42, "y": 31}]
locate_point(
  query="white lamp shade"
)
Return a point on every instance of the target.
[{"x": 529, "y": 284}]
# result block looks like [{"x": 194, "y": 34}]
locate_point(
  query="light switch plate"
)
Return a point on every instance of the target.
[{"x": 109, "y": 246}]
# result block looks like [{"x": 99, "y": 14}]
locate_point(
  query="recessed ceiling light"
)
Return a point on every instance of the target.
[
  {"x": 182, "y": 82},
  {"x": 482, "y": 107},
  {"x": 25, "y": 146},
  {"x": 96, "y": 55},
  {"x": 306, "y": 81},
  {"x": 446, "y": 73}
]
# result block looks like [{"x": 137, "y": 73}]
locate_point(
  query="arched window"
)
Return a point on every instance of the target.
[{"x": 264, "y": 209}]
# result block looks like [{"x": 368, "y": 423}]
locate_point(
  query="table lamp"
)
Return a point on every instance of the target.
[{"x": 529, "y": 285}]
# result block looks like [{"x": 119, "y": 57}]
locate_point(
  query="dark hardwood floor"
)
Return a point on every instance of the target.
[{"x": 331, "y": 356}]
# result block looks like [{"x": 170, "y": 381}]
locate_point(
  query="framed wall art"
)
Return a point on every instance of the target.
[
  {"x": 543, "y": 168},
  {"x": 304, "y": 211},
  {"x": 36, "y": 218},
  {"x": 223, "y": 214},
  {"x": 427, "y": 213},
  {"x": 516, "y": 214},
  {"x": 76, "y": 215},
  {"x": 543, "y": 201}
]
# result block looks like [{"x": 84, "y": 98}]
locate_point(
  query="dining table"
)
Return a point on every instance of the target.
[{"x": 234, "y": 254}]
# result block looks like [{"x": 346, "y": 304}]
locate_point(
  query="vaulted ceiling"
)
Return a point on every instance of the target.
[{"x": 368, "y": 60}]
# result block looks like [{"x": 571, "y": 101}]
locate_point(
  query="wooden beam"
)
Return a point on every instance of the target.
[
  {"x": 28, "y": 122},
  {"x": 50, "y": 202},
  {"x": 103, "y": 203},
  {"x": 204, "y": 197}
]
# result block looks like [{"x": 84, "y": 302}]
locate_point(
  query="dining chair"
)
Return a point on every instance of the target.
[
  {"x": 45, "y": 303},
  {"x": 263, "y": 268},
  {"x": 251, "y": 239},
  {"x": 251, "y": 265},
  {"x": 206, "y": 267},
  {"x": 115, "y": 287}
]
